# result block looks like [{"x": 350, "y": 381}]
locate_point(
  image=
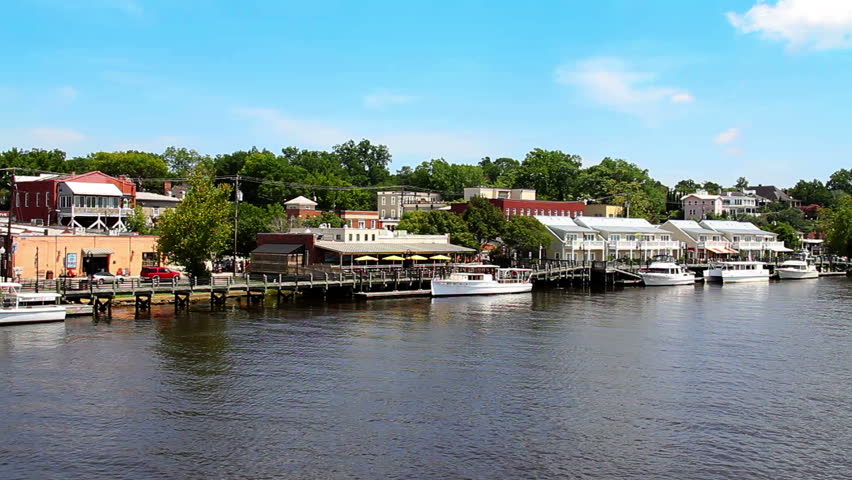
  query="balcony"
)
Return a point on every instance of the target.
[
  {"x": 644, "y": 245},
  {"x": 95, "y": 211},
  {"x": 585, "y": 244},
  {"x": 720, "y": 244},
  {"x": 743, "y": 245}
]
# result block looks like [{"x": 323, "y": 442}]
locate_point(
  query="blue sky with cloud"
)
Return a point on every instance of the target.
[{"x": 709, "y": 90}]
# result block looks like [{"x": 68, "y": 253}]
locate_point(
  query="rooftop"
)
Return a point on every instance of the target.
[{"x": 156, "y": 196}]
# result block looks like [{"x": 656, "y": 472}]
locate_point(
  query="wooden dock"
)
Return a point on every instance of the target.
[{"x": 394, "y": 294}]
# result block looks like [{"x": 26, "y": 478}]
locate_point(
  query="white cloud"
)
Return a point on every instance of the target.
[
  {"x": 67, "y": 93},
  {"x": 384, "y": 99},
  {"x": 284, "y": 129},
  {"x": 53, "y": 137},
  {"x": 820, "y": 24},
  {"x": 610, "y": 82},
  {"x": 310, "y": 132},
  {"x": 728, "y": 136}
]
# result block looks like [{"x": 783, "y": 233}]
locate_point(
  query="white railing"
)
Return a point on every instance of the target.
[
  {"x": 644, "y": 245},
  {"x": 585, "y": 244},
  {"x": 714, "y": 244},
  {"x": 105, "y": 211},
  {"x": 774, "y": 245},
  {"x": 744, "y": 245}
]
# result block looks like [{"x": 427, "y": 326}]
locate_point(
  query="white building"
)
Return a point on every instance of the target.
[
  {"x": 746, "y": 238},
  {"x": 571, "y": 241},
  {"x": 701, "y": 243},
  {"x": 601, "y": 238},
  {"x": 497, "y": 192}
]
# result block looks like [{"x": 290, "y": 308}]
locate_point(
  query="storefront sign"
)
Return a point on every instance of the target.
[{"x": 71, "y": 260}]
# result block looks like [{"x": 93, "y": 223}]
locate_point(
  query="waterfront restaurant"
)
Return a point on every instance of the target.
[{"x": 348, "y": 247}]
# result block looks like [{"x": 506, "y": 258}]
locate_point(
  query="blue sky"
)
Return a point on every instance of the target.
[{"x": 710, "y": 90}]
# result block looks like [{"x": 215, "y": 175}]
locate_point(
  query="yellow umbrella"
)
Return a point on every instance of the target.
[
  {"x": 417, "y": 257},
  {"x": 366, "y": 258},
  {"x": 394, "y": 258},
  {"x": 439, "y": 257}
]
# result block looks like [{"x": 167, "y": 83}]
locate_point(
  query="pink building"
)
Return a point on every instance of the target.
[{"x": 696, "y": 206}]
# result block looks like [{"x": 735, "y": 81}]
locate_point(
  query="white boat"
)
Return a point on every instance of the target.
[
  {"x": 664, "y": 272},
  {"x": 737, "y": 271},
  {"x": 797, "y": 270},
  {"x": 482, "y": 280},
  {"x": 19, "y": 307}
]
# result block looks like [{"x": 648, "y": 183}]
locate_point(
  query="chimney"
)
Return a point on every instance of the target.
[{"x": 167, "y": 187}]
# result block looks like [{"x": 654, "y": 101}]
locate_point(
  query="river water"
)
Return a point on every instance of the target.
[{"x": 735, "y": 381}]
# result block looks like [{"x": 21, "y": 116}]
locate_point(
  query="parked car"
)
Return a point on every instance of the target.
[
  {"x": 155, "y": 274},
  {"x": 104, "y": 277}
]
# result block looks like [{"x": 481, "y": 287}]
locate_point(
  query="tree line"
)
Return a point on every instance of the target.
[{"x": 355, "y": 169}]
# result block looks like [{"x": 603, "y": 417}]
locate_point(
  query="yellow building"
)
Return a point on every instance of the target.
[{"x": 600, "y": 210}]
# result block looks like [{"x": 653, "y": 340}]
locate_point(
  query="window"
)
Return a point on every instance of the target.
[
  {"x": 18, "y": 198},
  {"x": 589, "y": 236},
  {"x": 736, "y": 238},
  {"x": 38, "y": 199},
  {"x": 514, "y": 211},
  {"x": 362, "y": 224},
  {"x": 702, "y": 238},
  {"x": 47, "y": 199},
  {"x": 374, "y": 237},
  {"x": 383, "y": 200},
  {"x": 149, "y": 259},
  {"x": 614, "y": 238},
  {"x": 393, "y": 200},
  {"x": 26, "y": 199},
  {"x": 350, "y": 237},
  {"x": 383, "y": 212},
  {"x": 508, "y": 212},
  {"x": 393, "y": 213},
  {"x": 357, "y": 237},
  {"x": 664, "y": 238},
  {"x": 155, "y": 211},
  {"x": 630, "y": 237}
]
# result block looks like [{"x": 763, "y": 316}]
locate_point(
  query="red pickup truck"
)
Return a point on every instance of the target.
[{"x": 158, "y": 273}]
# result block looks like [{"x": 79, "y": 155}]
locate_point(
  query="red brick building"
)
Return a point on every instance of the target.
[
  {"x": 301, "y": 208},
  {"x": 360, "y": 218},
  {"x": 91, "y": 200},
  {"x": 528, "y": 208}
]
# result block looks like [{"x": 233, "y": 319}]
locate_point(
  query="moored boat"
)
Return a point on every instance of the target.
[
  {"x": 482, "y": 280},
  {"x": 19, "y": 307},
  {"x": 797, "y": 268},
  {"x": 664, "y": 271},
  {"x": 737, "y": 272}
]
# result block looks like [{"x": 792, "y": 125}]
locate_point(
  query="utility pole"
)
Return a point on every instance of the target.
[
  {"x": 237, "y": 195},
  {"x": 7, "y": 259}
]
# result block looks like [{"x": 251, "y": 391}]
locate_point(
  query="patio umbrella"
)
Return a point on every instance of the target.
[
  {"x": 394, "y": 258},
  {"x": 439, "y": 257},
  {"x": 417, "y": 257},
  {"x": 366, "y": 258}
]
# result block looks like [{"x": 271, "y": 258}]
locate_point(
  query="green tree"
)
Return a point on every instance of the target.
[
  {"x": 138, "y": 222},
  {"x": 451, "y": 179},
  {"x": 500, "y": 172},
  {"x": 712, "y": 188},
  {"x": 439, "y": 222},
  {"x": 251, "y": 221},
  {"x": 325, "y": 218},
  {"x": 181, "y": 161},
  {"x": 837, "y": 224},
  {"x": 366, "y": 164},
  {"x": 553, "y": 174},
  {"x": 813, "y": 192},
  {"x": 841, "y": 180},
  {"x": 526, "y": 235},
  {"x": 200, "y": 227},
  {"x": 794, "y": 217},
  {"x": 685, "y": 187},
  {"x": 787, "y": 234},
  {"x": 484, "y": 220},
  {"x": 742, "y": 184}
]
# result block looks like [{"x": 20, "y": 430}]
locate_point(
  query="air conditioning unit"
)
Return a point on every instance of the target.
[{"x": 38, "y": 221}]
